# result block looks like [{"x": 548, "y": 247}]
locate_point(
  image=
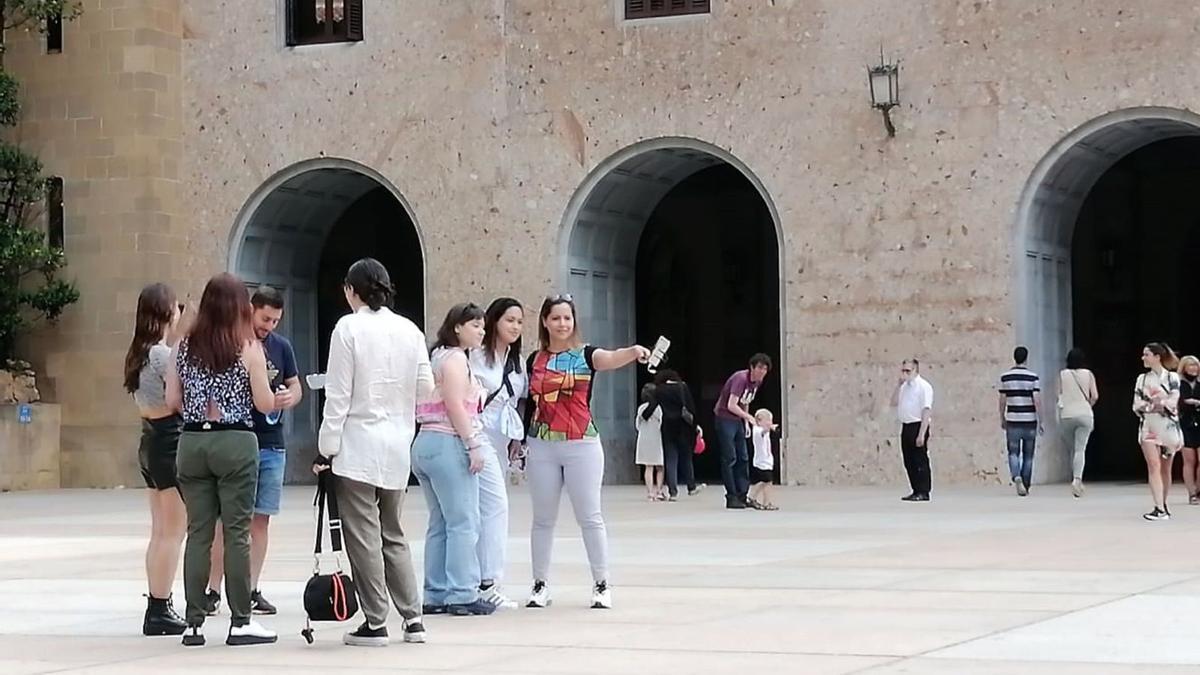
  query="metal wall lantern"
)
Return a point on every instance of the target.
[{"x": 884, "y": 80}]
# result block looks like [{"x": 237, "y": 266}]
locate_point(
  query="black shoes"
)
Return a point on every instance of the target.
[
  {"x": 480, "y": 607},
  {"x": 366, "y": 636},
  {"x": 212, "y": 602},
  {"x": 734, "y": 503},
  {"x": 161, "y": 618},
  {"x": 434, "y": 609},
  {"x": 1157, "y": 514},
  {"x": 193, "y": 638},
  {"x": 915, "y": 497},
  {"x": 259, "y": 604},
  {"x": 414, "y": 631}
]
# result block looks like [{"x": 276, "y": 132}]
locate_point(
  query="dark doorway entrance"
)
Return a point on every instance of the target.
[
  {"x": 1136, "y": 243},
  {"x": 707, "y": 277}
]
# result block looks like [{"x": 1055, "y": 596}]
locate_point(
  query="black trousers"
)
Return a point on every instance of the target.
[
  {"x": 916, "y": 459},
  {"x": 677, "y": 456}
]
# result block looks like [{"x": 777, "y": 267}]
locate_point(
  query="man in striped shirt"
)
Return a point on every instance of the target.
[{"x": 1021, "y": 418}]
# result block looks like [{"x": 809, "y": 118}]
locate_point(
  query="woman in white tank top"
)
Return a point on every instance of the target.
[{"x": 1077, "y": 394}]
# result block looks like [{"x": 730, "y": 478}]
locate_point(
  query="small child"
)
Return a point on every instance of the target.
[
  {"x": 648, "y": 421},
  {"x": 762, "y": 473}
]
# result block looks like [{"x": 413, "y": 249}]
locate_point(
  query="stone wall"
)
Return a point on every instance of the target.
[
  {"x": 29, "y": 453},
  {"x": 488, "y": 116}
]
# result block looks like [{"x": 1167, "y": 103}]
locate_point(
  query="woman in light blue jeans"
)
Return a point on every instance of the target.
[{"x": 447, "y": 457}]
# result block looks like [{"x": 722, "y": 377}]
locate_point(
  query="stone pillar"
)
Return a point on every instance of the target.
[{"x": 106, "y": 115}]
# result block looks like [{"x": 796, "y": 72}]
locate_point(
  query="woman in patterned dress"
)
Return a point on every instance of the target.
[{"x": 1156, "y": 402}]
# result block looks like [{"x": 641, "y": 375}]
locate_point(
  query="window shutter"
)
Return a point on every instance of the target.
[
  {"x": 354, "y": 20},
  {"x": 644, "y": 9},
  {"x": 289, "y": 23}
]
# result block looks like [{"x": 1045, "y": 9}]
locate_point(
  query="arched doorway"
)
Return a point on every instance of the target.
[
  {"x": 1101, "y": 228},
  {"x": 299, "y": 232},
  {"x": 675, "y": 237}
]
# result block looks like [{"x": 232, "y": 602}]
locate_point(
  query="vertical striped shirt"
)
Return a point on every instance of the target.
[{"x": 1018, "y": 385}]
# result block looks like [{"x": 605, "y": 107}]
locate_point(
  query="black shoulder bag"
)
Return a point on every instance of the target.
[{"x": 328, "y": 597}]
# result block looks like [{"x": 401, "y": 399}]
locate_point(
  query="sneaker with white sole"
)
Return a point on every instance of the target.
[
  {"x": 1021, "y": 489},
  {"x": 539, "y": 597},
  {"x": 251, "y": 633},
  {"x": 365, "y": 636},
  {"x": 601, "y": 596},
  {"x": 1077, "y": 488},
  {"x": 414, "y": 631},
  {"x": 1157, "y": 514},
  {"x": 492, "y": 595}
]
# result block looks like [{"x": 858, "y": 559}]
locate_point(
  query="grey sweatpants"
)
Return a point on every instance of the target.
[
  {"x": 1075, "y": 432},
  {"x": 579, "y": 467},
  {"x": 379, "y": 555}
]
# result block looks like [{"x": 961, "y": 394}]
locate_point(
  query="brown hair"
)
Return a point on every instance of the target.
[
  {"x": 223, "y": 324},
  {"x": 464, "y": 312},
  {"x": 1164, "y": 353},
  {"x": 155, "y": 310},
  {"x": 548, "y": 306}
]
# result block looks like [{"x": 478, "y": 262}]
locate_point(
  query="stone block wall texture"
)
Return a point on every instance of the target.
[
  {"x": 30, "y": 453},
  {"x": 488, "y": 115}
]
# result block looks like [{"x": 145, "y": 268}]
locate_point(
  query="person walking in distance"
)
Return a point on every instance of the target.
[
  {"x": 155, "y": 333},
  {"x": 267, "y": 304},
  {"x": 1189, "y": 420},
  {"x": 1077, "y": 394},
  {"x": 497, "y": 366},
  {"x": 734, "y": 422},
  {"x": 673, "y": 397},
  {"x": 218, "y": 375},
  {"x": 564, "y": 444},
  {"x": 1020, "y": 418},
  {"x": 913, "y": 400},
  {"x": 378, "y": 370},
  {"x": 1156, "y": 403}
]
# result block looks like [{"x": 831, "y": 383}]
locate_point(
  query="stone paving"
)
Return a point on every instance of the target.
[{"x": 845, "y": 580}]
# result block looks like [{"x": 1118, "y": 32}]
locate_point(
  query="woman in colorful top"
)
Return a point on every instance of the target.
[
  {"x": 1156, "y": 401},
  {"x": 447, "y": 458},
  {"x": 563, "y": 443},
  {"x": 146, "y": 364},
  {"x": 497, "y": 366},
  {"x": 218, "y": 375}
]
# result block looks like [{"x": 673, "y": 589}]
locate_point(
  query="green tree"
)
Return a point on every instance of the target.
[{"x": 29, "y": 287}]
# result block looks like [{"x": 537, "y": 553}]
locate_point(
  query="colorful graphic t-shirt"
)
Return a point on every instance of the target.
[{"x": 560, "y": 387}]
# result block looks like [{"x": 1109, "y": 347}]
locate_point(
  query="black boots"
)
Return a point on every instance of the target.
[{"x": 161, "y": 618}]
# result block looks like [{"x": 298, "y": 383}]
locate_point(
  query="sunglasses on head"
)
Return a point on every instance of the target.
[{"x": 562, "y": 297}]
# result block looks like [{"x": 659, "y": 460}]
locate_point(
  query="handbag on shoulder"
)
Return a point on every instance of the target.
[{"x": 328, "y": 597}]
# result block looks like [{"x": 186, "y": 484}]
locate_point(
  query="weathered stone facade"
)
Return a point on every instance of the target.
[{"x": 165, "y": 117}]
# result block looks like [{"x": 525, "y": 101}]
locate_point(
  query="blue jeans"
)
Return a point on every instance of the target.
[
  {"x": 271, "y": 465},
  {"x": 1021, "y": 441},
  {"x": 735, "y": 460},
  {"x": 440, "y": 462}
]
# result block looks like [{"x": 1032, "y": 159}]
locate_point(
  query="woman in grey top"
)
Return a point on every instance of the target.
[{"x": 146, "y": 363}]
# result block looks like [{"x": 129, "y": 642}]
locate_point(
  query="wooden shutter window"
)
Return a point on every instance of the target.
[
  {"x": 354, "y": 20},
  {"x": 55, "y": 231},
  {"x": 649, "y": 9},
  {"x": 289, "y": 23},
  {"x": 54, "y": 34}
]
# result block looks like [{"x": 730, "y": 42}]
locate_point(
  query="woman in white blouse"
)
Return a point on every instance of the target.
[
  {"x": 497, "y": 366},
  {"x": 378, "y": 370}
]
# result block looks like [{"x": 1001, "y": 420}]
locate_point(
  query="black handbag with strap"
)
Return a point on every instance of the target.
[{"x": 328, "y": 597}]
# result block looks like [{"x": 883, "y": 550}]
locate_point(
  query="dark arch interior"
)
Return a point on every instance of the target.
[
  {"x": 376, "y": 225},
  {"x": 708, "y": 278},
  {"x": 1135, "y": 244}
]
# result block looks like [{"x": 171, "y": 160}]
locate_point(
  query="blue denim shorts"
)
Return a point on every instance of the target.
[{"x": 271, "y": 465}]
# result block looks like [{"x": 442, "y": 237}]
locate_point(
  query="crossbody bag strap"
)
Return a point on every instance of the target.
[
  {"x": 326, "y": 497},
  {"x": 509, "y": 368}
]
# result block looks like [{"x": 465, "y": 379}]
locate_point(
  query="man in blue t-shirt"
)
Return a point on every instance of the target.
[{"x": 267, "y": 305}]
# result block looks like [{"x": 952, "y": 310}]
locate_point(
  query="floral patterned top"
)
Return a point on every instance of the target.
[{"x": 228, "y": 390}]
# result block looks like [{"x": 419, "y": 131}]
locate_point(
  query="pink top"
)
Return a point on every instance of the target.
[{"x": 431, "y": 412}]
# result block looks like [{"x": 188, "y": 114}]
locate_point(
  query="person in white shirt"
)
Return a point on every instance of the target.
[
  {"x": 649, "y": 448},
  {"x": 378, "y": 370},
  {"x": 762, "y": 473},
  {"x": 497, "y": 366},
  {"x": 913, "y": 400}
]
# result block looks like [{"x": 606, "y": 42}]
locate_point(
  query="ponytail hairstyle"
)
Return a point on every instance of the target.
[
  {"x": 1165, "y": 354},
  {"x": 155, "y": 311},
  {"x": 369, "y": 280}
]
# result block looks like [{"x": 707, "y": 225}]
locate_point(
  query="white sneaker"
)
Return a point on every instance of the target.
[
  {"x": 539, "y": 597},
  {"x": 252, "y": 633},
  {"x": 601, "y": 596},
  {"x": 494, "y": 597},
  {"x": 1077, "y": 488}
]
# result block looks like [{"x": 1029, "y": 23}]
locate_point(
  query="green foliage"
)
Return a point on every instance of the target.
[{"x": 29, "y": 288}]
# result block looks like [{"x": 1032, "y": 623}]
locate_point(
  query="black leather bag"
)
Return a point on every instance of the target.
[{"x": 328, "y": 597}]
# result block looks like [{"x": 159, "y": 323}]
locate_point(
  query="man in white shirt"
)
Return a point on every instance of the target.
[{"x": 913, "y": 400}]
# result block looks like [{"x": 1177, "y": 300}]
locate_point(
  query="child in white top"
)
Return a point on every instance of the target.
[
  {"x": 649, "y": 444},
  {"x": 762, "y": 473}
]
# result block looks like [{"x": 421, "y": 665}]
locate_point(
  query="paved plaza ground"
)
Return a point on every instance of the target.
[{"x": 843, "y": 580}]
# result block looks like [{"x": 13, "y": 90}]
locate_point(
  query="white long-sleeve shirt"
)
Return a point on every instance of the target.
[{"x": 378, "y": 370}]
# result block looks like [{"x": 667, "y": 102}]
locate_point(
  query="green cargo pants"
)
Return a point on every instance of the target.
[{"x": 218, "y": 476}]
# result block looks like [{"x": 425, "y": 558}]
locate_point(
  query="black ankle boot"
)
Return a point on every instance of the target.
[{"x": 161, "y": 618}]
